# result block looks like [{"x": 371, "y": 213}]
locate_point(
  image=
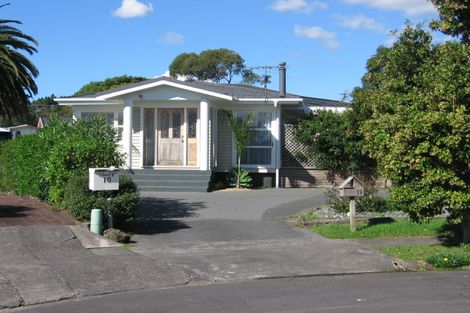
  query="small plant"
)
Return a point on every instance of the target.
[
  {"x": 244, "y": 179},
  {"x": 448, "y": 260},
  {"x": 301, "y": 219}
]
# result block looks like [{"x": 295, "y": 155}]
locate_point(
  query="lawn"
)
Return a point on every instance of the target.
[{"x": 388, "y": 228}]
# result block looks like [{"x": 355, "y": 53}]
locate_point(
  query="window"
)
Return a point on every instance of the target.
[
  {"x": 259, "y": 149},
  {"x": 108, "y": 115}
]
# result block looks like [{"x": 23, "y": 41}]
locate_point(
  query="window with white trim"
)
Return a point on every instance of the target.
[{"x": 260, "y": 146}]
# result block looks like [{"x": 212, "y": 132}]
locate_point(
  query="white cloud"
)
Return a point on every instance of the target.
[
  {"x": 361, "y": 21},
  {"x": 298, "y": 6},
  {"x": 317, "y": 33},
  {"x": 410, "y": 7},
  {"x": 132, "y": 8},
  {"x": 173, "y": 38}
]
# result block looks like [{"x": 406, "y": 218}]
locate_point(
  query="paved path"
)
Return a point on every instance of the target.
[{"x": 238, "y": 235}]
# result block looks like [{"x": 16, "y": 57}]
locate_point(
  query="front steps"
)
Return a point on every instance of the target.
[{"x": 172, "y": 180}]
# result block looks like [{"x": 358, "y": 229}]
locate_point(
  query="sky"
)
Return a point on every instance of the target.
[{"x": 326, "y": 44}]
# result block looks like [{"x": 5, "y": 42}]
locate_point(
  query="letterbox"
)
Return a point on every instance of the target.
[
  {"x": 104, "y": 178},
  {"x": 351, "y": 187}
]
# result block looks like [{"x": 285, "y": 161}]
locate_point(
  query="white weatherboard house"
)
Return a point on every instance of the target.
[{"x": 175, "y": 138}]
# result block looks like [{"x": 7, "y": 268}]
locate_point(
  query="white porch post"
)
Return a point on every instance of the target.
[
  {"x": 127, "y": 131},
  {"x": 277, "y": 136},
  {"x": 204, "y": 135}
]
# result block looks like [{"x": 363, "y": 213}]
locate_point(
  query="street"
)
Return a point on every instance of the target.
[{"x": 379, "y": 292}]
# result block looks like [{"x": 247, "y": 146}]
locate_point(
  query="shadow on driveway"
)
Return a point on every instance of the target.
[{"x": 158, "y": 215}]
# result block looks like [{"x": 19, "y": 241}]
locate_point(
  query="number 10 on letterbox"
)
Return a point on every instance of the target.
[{"x": 103, "y": 179}]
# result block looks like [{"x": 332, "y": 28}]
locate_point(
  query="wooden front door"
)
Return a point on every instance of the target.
[{"x": 171, "y": 139}]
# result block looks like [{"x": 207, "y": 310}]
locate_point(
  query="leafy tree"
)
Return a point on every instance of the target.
[
  {"x": 17, "y": 72},
  {"x": 419, "y": 128},
  {"x": 333, "y": 143},
  {"x": 241, "y": 132},
  {"x": 454, "y": 18},
  {"x": 107, "y": 84},
  {"x": 217, "y": 65}
]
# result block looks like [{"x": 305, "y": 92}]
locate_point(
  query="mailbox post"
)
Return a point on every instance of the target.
[
  {"x": 352, "y": 187},
  {"x": 102, "y": 179}
]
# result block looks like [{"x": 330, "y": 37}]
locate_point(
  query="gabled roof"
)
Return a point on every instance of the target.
[{"x": 226, "y": 91}]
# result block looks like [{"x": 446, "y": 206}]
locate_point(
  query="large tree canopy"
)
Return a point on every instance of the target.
[
  {"x": 418, "y": 96},
  {"x": 107, "y": 84},
  {"x": 216, "y": 65},
  {"x": 17, "y": 72},
  {"x": 454, "y": 18}
]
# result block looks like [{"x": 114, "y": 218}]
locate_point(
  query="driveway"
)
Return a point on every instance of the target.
[{"x": 237, "y": 235}]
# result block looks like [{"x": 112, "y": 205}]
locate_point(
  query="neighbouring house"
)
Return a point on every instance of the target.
[
  {"x": 5, "y": 134},
  {"x": 24, "y": 129},
  {"x": 175, "y": 138}
]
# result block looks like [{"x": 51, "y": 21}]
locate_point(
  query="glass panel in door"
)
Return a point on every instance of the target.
[{"x": 192, "y": 137}]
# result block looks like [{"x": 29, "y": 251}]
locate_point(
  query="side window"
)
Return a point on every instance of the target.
[{"x": 260, "y": 146}]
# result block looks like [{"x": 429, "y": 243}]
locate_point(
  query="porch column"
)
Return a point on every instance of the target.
[
  {"x": 204, "y": 136},
  {"x": 127, "y": 132},
  {"x": 277, "y": 136}
]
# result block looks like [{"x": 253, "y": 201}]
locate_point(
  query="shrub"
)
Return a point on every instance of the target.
[
  {"x": 30, "y": 156},
  {"x": 370, "y": 202},
  {"x": 448, "y": 260},
  {"x": 75, "y": 148},
  {"x": 7, "y": 182},
  {"x": 79, "y": 200}
]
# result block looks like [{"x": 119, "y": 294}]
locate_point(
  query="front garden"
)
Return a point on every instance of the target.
[{"x": 53, "y": 164}]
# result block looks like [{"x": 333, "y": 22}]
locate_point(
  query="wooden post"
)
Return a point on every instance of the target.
[{"x": 352, "y": 214}]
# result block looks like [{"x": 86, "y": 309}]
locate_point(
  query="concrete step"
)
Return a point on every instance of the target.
[{"x": 172, "y": 180}]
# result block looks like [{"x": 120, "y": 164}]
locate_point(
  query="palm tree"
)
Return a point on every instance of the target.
[
  {"x": 241, "y": 131},
  {"x": 17, "y": 72}
]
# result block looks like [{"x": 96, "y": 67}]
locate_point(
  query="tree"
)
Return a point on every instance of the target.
[
  {"x": 241, "y": 132},
  {"x": 419, "y": 127},
  {"x": 333, "y": 143},
  {"x": 17, "y": 72},
  {"x": 216, "y": 65},
  {"x": 454, "y": 18},
  {"x": 107, "y": 84}
]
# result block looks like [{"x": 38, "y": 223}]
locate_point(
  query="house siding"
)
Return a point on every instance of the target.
[
  {"x": 136, "y": 138},
  {"x": 224, "y": 145}
]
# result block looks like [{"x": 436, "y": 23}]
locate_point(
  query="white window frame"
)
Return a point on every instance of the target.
[{"x": 270, "y": 129}]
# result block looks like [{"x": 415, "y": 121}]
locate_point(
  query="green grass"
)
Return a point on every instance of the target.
[
  {"x": 420, "y": 253},
  {"x": 390, "y": 229}
]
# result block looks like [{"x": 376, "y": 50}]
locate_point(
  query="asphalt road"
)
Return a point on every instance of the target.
[{"x": 430, "y": 292}]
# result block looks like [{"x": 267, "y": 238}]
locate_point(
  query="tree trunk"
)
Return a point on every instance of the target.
[
  {"x": 238, "y": 172},
  {"x": 466, "y": 227}
]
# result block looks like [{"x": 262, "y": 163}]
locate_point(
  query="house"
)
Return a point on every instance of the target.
[
  {"x": 173, "y": 134},
  {"x": 5, "y": 134},
  {"x": 24, "y": 129}
]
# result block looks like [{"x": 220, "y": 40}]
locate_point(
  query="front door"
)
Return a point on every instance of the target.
[{"x": 171, "y": 140}]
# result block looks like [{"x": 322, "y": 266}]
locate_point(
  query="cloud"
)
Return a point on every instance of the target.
[
  {"x": 173, "y": 38},
  {"x": 361, "y": 21},
  {"x": 317, "y": 33},
  {"x": 297, "y": 6},
  {"x": 410, "y": 7},
  {"x": 132, "y": 8}
]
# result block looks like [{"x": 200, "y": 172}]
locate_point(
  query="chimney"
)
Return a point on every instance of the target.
[{"x": 282, "y": 79}]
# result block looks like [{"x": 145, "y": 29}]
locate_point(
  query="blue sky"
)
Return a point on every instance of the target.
[{"x": 325, "y": 43}]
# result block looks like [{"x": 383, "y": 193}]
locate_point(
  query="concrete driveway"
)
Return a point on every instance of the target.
[{"x": 237, "y": 235}]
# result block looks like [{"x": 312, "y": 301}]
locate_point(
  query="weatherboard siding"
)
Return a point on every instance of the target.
[
  {"x": 136, "y": 138},
  {"x": 224, "y": 144}
]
